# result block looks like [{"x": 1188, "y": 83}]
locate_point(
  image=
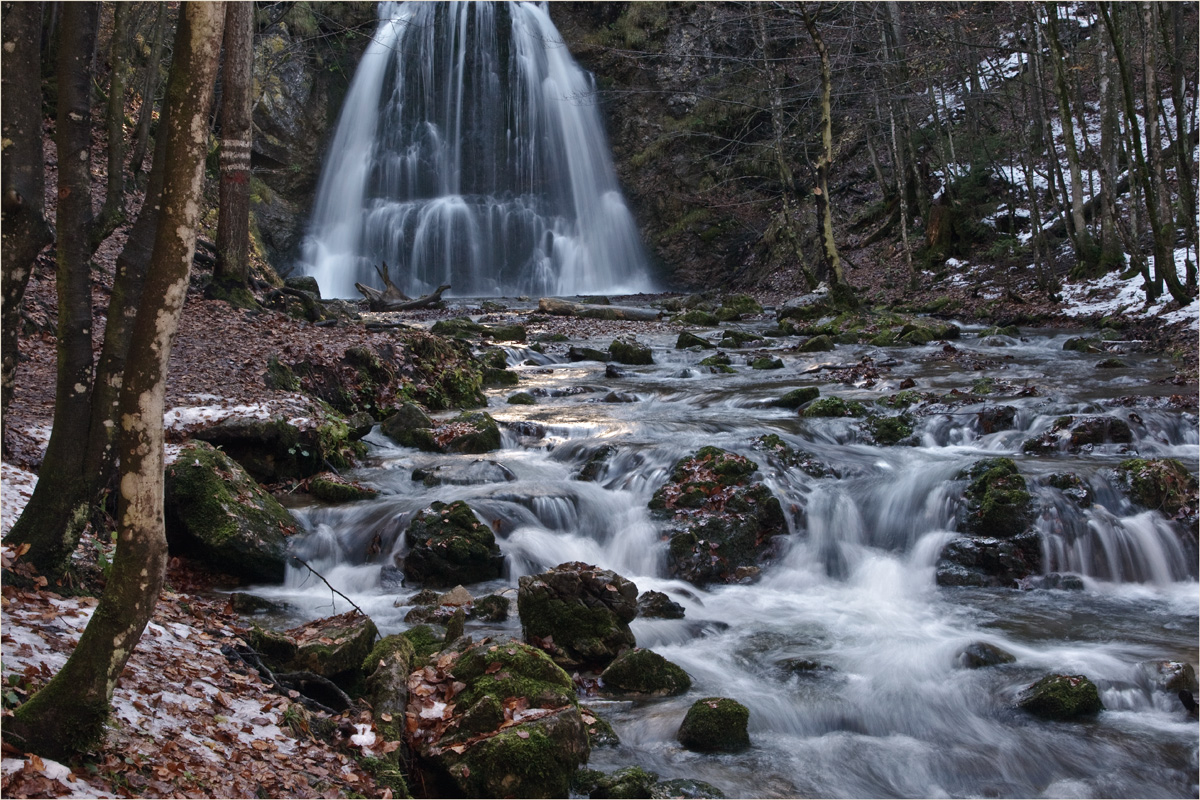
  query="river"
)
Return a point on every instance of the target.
[{"x": 883, "y": 706}]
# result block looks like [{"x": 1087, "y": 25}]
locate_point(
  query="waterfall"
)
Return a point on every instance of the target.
[{"x": 470, "y": 152}]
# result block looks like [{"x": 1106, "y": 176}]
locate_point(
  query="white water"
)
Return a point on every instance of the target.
[
  {"x": 890, "y": 712},
  {"x": 470, "y": 152}
]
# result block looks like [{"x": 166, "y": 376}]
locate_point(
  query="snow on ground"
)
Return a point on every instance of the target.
[
  {"x": 1111, "y": 295},
  {"x": 16, "y": 487}
]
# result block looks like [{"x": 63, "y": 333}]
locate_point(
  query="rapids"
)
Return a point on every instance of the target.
[{"x": 887, "y": 711}]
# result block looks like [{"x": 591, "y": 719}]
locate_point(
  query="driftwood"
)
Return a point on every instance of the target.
[
  {"x": 565, "y": 308},
  {"x": 391, "y": 298}
]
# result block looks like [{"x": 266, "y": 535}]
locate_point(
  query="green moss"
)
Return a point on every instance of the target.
[
  {"x": 817, "y": 344},
  {"x": 1062, "y": 697},
  {"x": 425, "y": 641},
  {"x": 697, "y": 317},
  {"x": 1162, "y": 483},
  {"x": 766, "y": 362},
  {"x": 741, "y": 304},
  {"x": 524, "y": 671},
  {"x": 333, "y": 490},
  {"x": 460, "y": 327},
  {"x": 396, "y": 646},
  {"x": 834, "y": 407},
  {"x": 629, "y": 351},
  {"x": 718, "y": 362},
  {"x": 797, "y": 397},
  {"x": 890, "y": 430},
  {"x": 688, "y": 339},
  {"x": 522, "y": 399},
  {"x": 642, "y": 671},
  {"x": 600, "y": 733},
  {"x": 450, "y": 546},
  {"x": 629, "y": 782},
  {"x": 280, "y": 376},
  {"x": 733, "y": 338},
  {"x": 998, "y": 503},
  {"x": 715, "y": 724}
]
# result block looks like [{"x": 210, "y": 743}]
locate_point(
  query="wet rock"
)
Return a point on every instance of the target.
[
  {"x": 472, "y": 432},
  {"x": 802, "y": 666},
  {"x": 1160, "y": 483},
  {"x": 817, "y": 344},
  {"x": 387, "y": 668},
  {"x": 1111, "y": 363},
  {"x": 797, "y": 397},
  {"x": 522, "y": 399},
  {"x": 890, "y": 431},
  {"x": 613, "y": 372},
  {"x": 1170, "y": 676},
  {"x": 977, "y": 655},
  {"x": 656, "y": 605},
  {"x": 715, "y": 724},
  {"x": 497, "y": 719},
  {"x": 806, "y": 307},
  {"x": 644, "y": 672},
  {"x": 596, "y": 464},
  {"x": 766, "y": 362},
  {"x": 629, "y": 782},
  {"x": 1055, "y": 580},
  {"x": 736, "y": 306},
  {"x": 697, "y": 316},
  {"x": 269, "y": 449},
  {"x": 620, "y": 397},
  {"x": 997, "y": 502},
  {"x": 996, "y": 418},
  {"x": 335, "y": 489},
  {"x": 719, "y": 521},
  {"x": 448, "y": 546},
  {"x": 578, "y": 613},
  {"x": 719, "y": 362},
  {"x": 334, "y": 645},
  {"x": 456, "y": 473},
  {"x": 630, "y": 351},
  {"x": 686, "y": 788},
  {"x": 360, "y": 424},
  {"x": 458, "y": 596},
  {"x": 688, "y": 339},
  {"x": 736, "y": 339},
  {"x": 586, "y": 354},
  {"x": 1061, "y": 697},
  {"x": 1082, "y": 344},
  {"x": 1006, "y": 330},
  {"x": 600, "y": 733},
  {"x": 408, "y": 425},
  {"x": 459, "y": 327},
  {"x": 1098, "y": 430},
  {"x": 245, "y": 603},
  {"x": 505, "y": 333},
  {"x": 492, "y": 608},
  {"x": 216, "y": 513},
  {"x": 834, "y": 407},
  {"x": 984, "y": 561}
]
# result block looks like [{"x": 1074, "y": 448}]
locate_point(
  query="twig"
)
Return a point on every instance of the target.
[
  {"x": 311, "y": 677},
  {"x": 306, "y": 565}
]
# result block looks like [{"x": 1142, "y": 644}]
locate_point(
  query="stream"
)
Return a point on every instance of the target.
[{"x": 883, "y": 708}]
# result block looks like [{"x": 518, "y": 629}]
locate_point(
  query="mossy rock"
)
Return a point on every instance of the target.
[
  {"x": 491, "y": 608},
  {"x": 1001, "y": 330},
  {"x": 644, "y": 672},
  {"x": 505, "y": 333},
  {"x": 656, "y": 605},
  {"x": 736, "y": 339},
  {"x": 334, "y": 645},
  {"x": 996, "y": 418},
  {"x": 402, "y": 426},
  {"x": 797, "y": 397},
  {"x": 522, "y": 399},
  {"x": 977, "y": 655},
  {"x": 998, "y": 503},
  {"x": 280, "y": 376},
  {"x": 1163, "y": 484},
  {"x": 697, "y": 317},
  {"x": 629, "y": 782},
  {"x": 1082, "y": 344},
  {"x": 807, "y": 308},
  {"x": 817, "y": 344},
  {"x": 600, "y": 732},
  {"x": 336, "y": 489},
  {"x": 586, "y": 354},
  {"x": 578, "y": 613},
  {"x": 630, "y": 351},
  {"x": 215, "y": 512},
  {"x": 718, "y": 362},
  {"x": 269, "y": 449},
  {"x": 989, "y": 562},
  {"x": 688, "y": 339},
  {"x": 460, "y": 327},
  {"x": 890, "y": 430},
  {"x": 834, "y": 407},
  {"x": 916, "y": 335},
  {"x": 791, "y": 458},
  {"x": 766, "y": 362},
  {"x": 1111, "y": 363},
  {"x": 685, "y": 787},
  {"x": 424, "y": 639},
  {"x": 499, "y": 378},
  {"x": 596, "y": 464},
  {"x": 905, "y": 399},
  {"x": 472, "y": 432},
  {"x": 1061, "y": 697},
  {"x": 1074, "y": 487},
  {"x": 304, "y": 283},
  {"x": 276, "y": 648},
  {"x": 740, "y": 304},
  {"x": 715, "y": 724},
  {"x": 450, "y": 546}
]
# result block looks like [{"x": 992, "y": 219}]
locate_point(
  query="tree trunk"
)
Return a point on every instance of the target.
[
  {"x": 233, "y": 215},
  {"x": 67, "y": 716},
  {"x": 1110, "y": 248},
  {"x": 1175, "y": 46},
  {"x": 57, "y": 511},
  {"x": 22, "y": 173},
  {"x": 112, "y": 213},
  {"x": 141, "y": 137},
  {"x": 833, "y": 261}
]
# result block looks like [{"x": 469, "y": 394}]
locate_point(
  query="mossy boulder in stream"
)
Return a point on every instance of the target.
[
  {"x": 407, "y": 425},
  {"x": 578, "y": 613},
  {"x": 495, "y": 719},
  {"x": 269, "y": 449},
  {"x": 1163, "y": 484},
  {"x": 1061, "y": 697},
  {"x": 997, "y": 501},
  {"x": 630, "y": 351},
  {"x": 989, "y": 562},
  {"x": 834, "y": 407},
  {"x": 217, "y": 513},
  {"x": 797, "y": 397},
  {"x": 448, "y": 545},
  {"x": 715, "y": 724},
  {"x": 719, "y": 522},
  {"x": 644, "y": 672}
]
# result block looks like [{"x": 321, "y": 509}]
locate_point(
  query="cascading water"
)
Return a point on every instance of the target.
[
  {"x": 470, "y": 152},
  {"x": 846, "y": 652}
]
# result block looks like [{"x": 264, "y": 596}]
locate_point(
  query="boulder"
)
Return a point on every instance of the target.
[
  {"x": 787, "y": 457},
  {"x": 215, "y": 512},
  {"x": 718, "y": 362},
  {"x": 644, "y": 672},
  {"x": 1170, "y": 676},
  {"x": 997, "y": 501},
  {"x": 766, "y": 362},
  {"x": 807, "y": 307},
  {"x": 817, "y": 344},
  {"x": 715, "y": 724},
  {"x": 697, "y": 316},
  {"x": 334, "y": 645},
  {"x": 797, "y": 397},
  {"x": 735, "y": 306},
  {"x": 719, "y": 522},
  {"x": 986, "y": 561},
  {"x": 408, "y": 425},
  {"x": 459, "y": 327},
  {"x": 1061, "y": 697},
  {"x": 505, "y": 333},
  {"x": 735, "y": 339},
  {"x": 586, "y": 354},
  {"x": 1083, "y": 344},
  {"x": 630, "y": 351},
  {"x": 834, "y": 407},
  {"x": 495, "y": 719},
  {"x": 600, "y": 733},
  {"x": 596, "y": 464},
  {"x": 892, "y": 430},
  {"x": 334, "y": 488},
  {"x": 688, "y": 339},
  {"x": 996, "y": 418},
  {"x": 472, "y": 433},
  {"x": 656, "y": 605},
  {"x": 269, "y": 449},
  {"x": 1163, "y": 484},
  {"x": 629, "y": 782},
  {"x": 578, "y": 613},
  {"x": 984, "y": 654},
  {"x": 449, "y": 546}
]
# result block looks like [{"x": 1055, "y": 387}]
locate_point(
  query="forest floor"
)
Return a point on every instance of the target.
[{"x": 187, "y": 723}]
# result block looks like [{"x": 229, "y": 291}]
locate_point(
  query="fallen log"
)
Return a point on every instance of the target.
[
  {"x": 565, "y": 308},
  {"x": 380, "y": 301}
]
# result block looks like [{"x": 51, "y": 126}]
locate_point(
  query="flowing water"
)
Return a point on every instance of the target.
[
  {"x": 889, "y": 710},
  {"x": 470, "y": 152}
]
